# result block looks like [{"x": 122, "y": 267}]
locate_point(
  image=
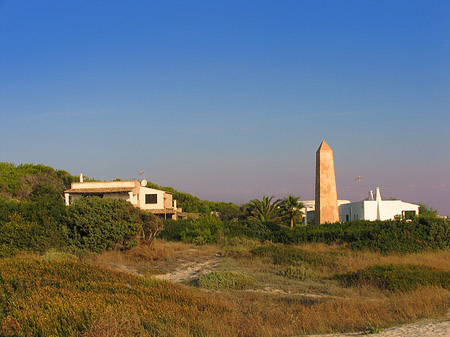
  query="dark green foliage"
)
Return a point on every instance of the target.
[
  {"x": 382, "y": 236},
  {"x": 18, "y": 234},
  {"x": 31, "y": 225},
  {"x": 210, "y": 229},
  {"x": 32, "y": 207},
  {"x": 291, "y": 209},
  {"x": 427, "y": 211},
  {"x": 96, "y": 224},
  {"x": 32, "y": 182},
  {"x": 265, "y": 210},
  {"x": 401, "y": 236},
  {"x": 397, "y": 278},
  {"x": 287, "y": 255},
  {"x": 225, "y": 280}
]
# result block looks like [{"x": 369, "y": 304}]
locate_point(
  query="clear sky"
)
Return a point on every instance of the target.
[{"x": 229, "y": 100}]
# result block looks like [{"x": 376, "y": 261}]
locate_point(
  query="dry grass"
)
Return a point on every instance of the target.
[
  {"x": 160, "y": 255},
  {"x": 349, "y": 260},
  {"x": 56, "y": 294},
  {"x": 279, "y": 315}
]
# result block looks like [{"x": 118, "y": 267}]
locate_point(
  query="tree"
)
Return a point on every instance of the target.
[
  {"x": 265, "y": 209},
  {"x": 291, "y": 207},
  {"x": 97, "y": 224},
  {"x": 427, "y": 211}
]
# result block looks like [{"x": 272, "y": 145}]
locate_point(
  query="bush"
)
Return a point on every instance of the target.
[
  {"x": 381, "y": 236},
  {"x": 397, "y": 278},
  {"x": 215, "y": 230},
  {"x": 291, "y": 256},
  {"x": 20, "y": 234},
  {"x": 297, "y": 272},
  {"x": 97, "y": 224},
  {"x": 225, "y": 280},
  {"x": 240, "y": 247}
]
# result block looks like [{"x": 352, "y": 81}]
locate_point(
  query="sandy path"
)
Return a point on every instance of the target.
[
  {"x": 424, "y": 329},
  {"x": 189, "y": 270}
]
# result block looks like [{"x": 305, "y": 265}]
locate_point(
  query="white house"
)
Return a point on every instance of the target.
[
  {"x": 374, "y": 208},
  {"x": 377, "y": 209},
  {"x": 148, "y": 199}
]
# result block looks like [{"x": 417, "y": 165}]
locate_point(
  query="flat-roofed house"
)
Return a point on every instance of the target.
[
  {"x": 148, "y": 199},
  {"x": 374, "y": 208}
]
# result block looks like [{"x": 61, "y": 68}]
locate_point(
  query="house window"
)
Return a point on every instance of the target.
[
  {"x": 151, "y": 198},
  {"x": 408, "y": 215}
]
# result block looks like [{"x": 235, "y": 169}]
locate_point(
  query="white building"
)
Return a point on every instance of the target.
[
  {"x": 377, "y": 209},
  {"x": 148, "y": 199},
  {"x": 374, "y": 208}
]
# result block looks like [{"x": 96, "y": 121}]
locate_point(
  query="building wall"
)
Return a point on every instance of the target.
[
  {"x": 391, "y": 208},
  {"x": 368, "y": 210},
  {"x": 160, "y": 199}
]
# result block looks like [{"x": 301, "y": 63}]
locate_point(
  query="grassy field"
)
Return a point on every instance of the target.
[{"x": 241, "y": 288}]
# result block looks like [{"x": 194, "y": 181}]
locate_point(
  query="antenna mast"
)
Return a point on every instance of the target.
[{"x": 142, "y": 173}]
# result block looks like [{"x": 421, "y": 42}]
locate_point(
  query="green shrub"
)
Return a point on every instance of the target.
[
  {"x": 397, "y": 278},
  {"x": 387, "y": 236},
  {"x": 240, "y": 247},
  {"x": 19, "y": 234},
  {"x": 97, "y": 224},
  {"x": 297, "y": 272},
  {"x": 288, "y": 255},
  {"x": 225, "y": 280}
]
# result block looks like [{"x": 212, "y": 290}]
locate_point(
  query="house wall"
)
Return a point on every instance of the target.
[
  {"x": 368, "y": 209},
  {"x": 391, "y": 208},
  {"x": 354, "y": 211},
  {"x": 160, "y": 199}
]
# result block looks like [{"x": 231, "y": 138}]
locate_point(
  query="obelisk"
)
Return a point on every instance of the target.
[{"x": 326, "y": 195}]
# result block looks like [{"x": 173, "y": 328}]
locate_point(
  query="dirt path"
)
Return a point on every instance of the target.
[
  {"x": 189, "y": 270},
  {"x": 424, "y": 329}
]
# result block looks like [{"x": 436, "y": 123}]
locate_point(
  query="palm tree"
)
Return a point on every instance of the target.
[
  {"x": 291, "y": 207},
  {"x": 265, "y": 209}
]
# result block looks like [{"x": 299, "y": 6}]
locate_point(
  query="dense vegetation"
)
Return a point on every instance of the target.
[
  {"x": 97, "y": 224},
  {"x": 33, "y": 216},
  {"x": 398, "y": 235}
]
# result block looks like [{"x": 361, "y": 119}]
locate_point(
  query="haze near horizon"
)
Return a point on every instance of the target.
[{"x": 230, "y": 101}]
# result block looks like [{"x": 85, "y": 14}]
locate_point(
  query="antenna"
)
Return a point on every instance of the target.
[
  {"x": 360, "y": 179},
  {"x": 142, "y": 173}
]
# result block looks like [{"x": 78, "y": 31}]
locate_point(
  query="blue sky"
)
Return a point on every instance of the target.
[{"x": 230, "y": 100}]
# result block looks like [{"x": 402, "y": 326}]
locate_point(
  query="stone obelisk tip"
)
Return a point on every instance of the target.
[
  {"x": 326, "y": 194},
  {"x": 324, "y": 146}
]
